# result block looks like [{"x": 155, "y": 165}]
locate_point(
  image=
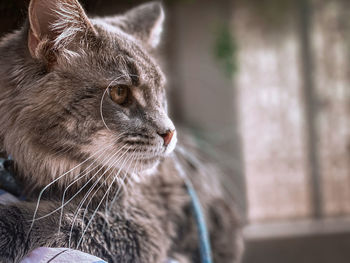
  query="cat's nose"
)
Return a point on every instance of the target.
[{"x": 167, "y": 136}]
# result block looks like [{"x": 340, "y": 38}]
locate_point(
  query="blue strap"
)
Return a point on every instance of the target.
[{"x": 204, "y": 243}]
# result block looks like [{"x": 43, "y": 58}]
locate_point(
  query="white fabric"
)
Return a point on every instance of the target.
[{"x": 59, "y": 255}]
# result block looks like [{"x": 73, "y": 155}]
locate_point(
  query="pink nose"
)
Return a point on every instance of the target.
[{"x": 167, "y": 137}]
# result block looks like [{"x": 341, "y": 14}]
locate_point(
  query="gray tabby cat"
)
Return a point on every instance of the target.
[{"x": 83, "y": 113}]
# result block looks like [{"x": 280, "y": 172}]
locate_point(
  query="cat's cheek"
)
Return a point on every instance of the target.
[{"x": 170, "y": 148}]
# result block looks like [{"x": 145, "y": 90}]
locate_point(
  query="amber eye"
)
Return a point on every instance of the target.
[{"x": 119, "y": 94}]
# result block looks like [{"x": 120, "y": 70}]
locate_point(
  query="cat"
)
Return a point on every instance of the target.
[{"x": 84, "y": 117}]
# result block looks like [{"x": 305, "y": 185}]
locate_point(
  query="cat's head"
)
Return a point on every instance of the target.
[{"x": 89, "y": 89}]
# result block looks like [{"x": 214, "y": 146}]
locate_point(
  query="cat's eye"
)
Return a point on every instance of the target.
[{"x": 119, "y": 94}]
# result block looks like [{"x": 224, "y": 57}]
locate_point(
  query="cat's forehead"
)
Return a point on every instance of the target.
[{"x": 120, "y": 52}]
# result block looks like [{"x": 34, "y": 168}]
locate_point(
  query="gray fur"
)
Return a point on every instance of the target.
[{"x": 56, "y": 114}]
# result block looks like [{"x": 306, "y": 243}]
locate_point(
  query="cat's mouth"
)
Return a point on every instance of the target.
[
  {"x": 130, "y": 154},
  {"x": 146, "y": 158}
]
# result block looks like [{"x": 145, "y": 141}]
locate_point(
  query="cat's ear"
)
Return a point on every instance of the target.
[
  {"x": 146, "y": 22},
  {"x": 55, "y": 24}
]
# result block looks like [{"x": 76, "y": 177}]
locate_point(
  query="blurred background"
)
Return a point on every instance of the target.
[{"x": 264, "y": 87}]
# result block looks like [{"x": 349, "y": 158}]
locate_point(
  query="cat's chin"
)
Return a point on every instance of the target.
[
  {"x": 148, "y": 171},
  {"x": 151, "y": 170}
]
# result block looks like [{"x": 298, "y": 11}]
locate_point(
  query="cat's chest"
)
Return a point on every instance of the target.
[
  {"x": 165, "y": 193},
  {"x": 163, "y": 197}
]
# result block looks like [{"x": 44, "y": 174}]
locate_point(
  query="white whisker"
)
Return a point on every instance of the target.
[
  {"x": 122, "y": 182},
  {"x": 55, "y": 180},
  {"x": 105, "y": 181},
  {"x": 101, "y": 111},
  {"x": 63, "y": 204},
  {"x": 94, "y": 213},
  {"x": 102, "y": 99},
  {"x": 91, "y": 189},
  {"x": 64, "y": 193}
]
